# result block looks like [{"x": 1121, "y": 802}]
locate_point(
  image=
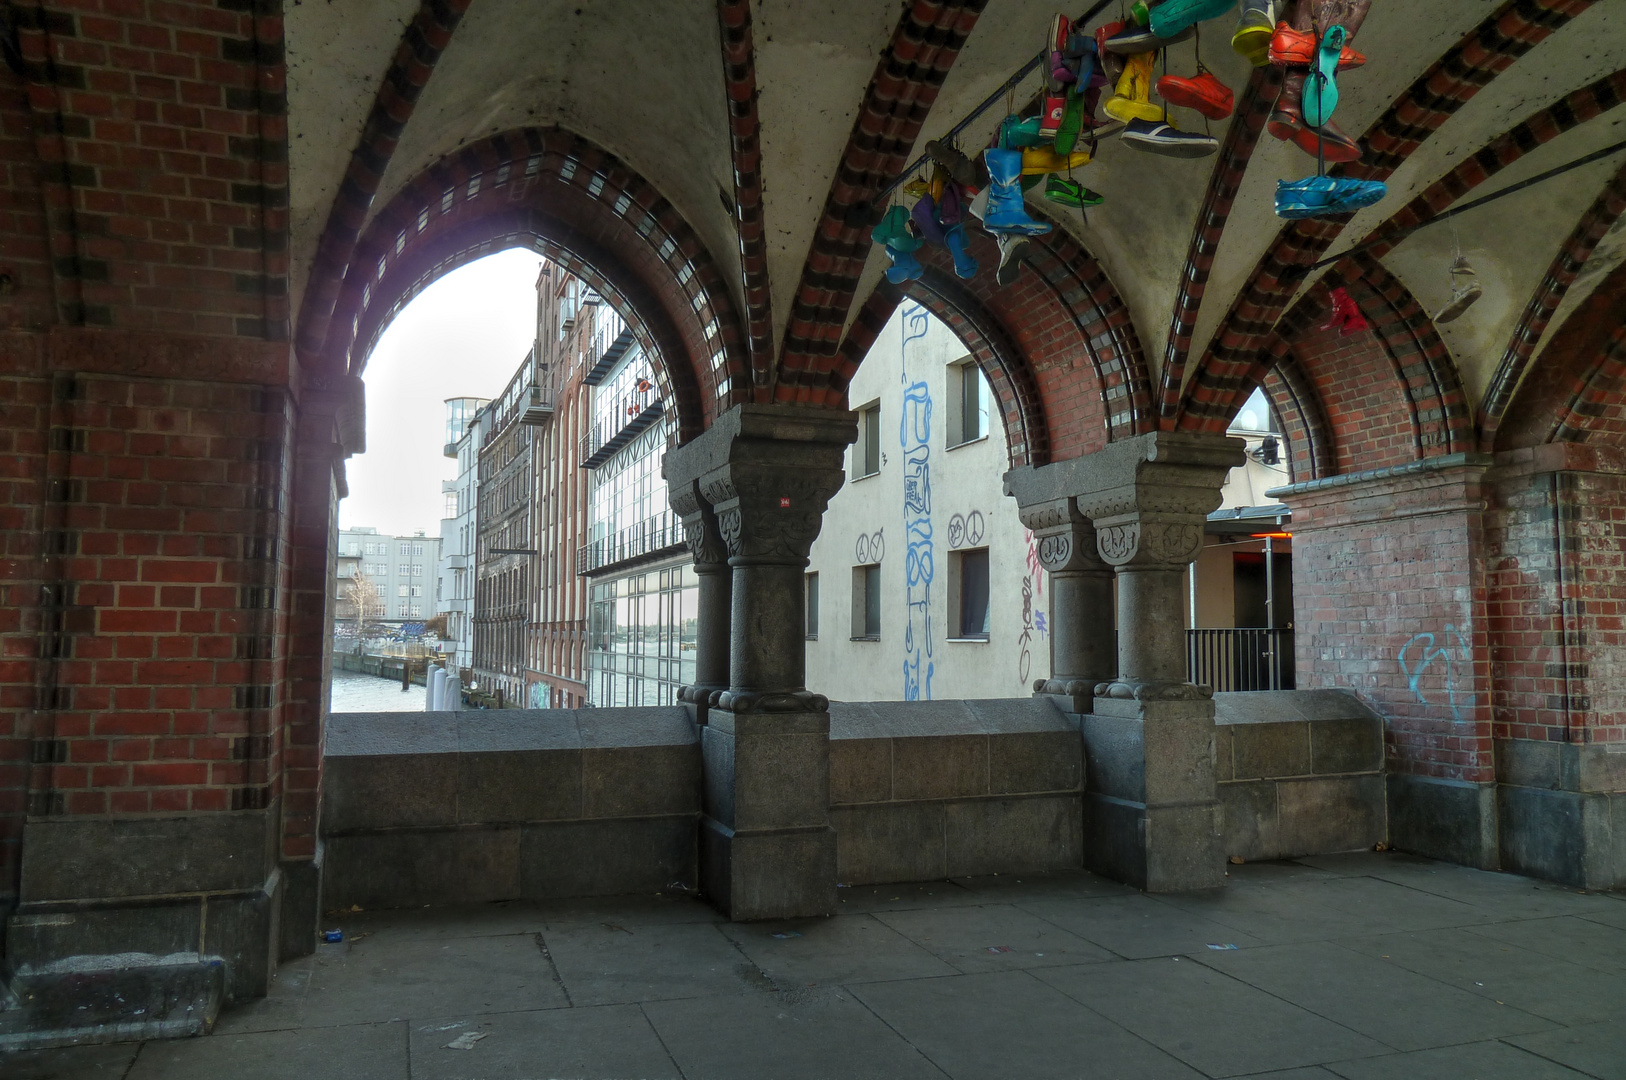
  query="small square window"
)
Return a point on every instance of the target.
[
  {"x": 812, "y": 591},
  {"x": 867, "y": 451},
  {"x": 867, "y": 603},
  {"x": 968, "y": 593}
]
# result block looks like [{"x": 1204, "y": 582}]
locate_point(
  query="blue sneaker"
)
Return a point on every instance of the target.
[
  {"x": 1170, "y": 18},
  {"x": 1324, "y": 196}
]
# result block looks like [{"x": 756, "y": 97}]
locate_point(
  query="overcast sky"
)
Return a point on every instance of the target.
[{"x": 464, "y": 336}]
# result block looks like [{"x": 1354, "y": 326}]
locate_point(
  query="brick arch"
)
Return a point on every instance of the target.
[
  {"x": 1439, "y": 405},
  {"x": 1597, "y": 404},
  {"x": 1303, "y": 418},
  {"x": 557, "y": 192},
  {"x": 1076, "y": 358}
]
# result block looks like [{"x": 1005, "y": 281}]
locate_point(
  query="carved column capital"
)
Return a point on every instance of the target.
[
  {"x": 700, "y": 529},
  {"x": 1149, "y": 543}
]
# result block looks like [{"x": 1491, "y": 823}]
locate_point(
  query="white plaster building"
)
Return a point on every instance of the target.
[
  {"x": 923, "y": 582},
  {"x": 457, "y": 529}
]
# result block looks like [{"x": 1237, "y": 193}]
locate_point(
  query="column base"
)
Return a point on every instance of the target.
[
  {"x": 769, "y": 874},
  {"x": 1152, "y": 817},
  {"x": 1561, "y": 811}
]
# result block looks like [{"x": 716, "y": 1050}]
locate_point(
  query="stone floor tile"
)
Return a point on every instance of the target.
[
  {"x": 462, "y": 920},
  {"x": 1312, "y": 1072},
  {"x": 813, "y": 1034},
  {"x": 1374, "y": 997},
  {"x": 1363, "y": 863},
  {"x": 1481, "y": 1061},
  {"x": 991, "y": 937},
  {"x": 640, "y": 910},
  {"x": 858, "y": 899},
  {"x": 1040, "y": 886},
  {"x": 608, "y": 963},
  {"x": 1554, "y": 989},
  {"x": 1599, "y": 1050},
  {"x": 1278, "y": 872},
  {"x": 110, "y": 1062},
  {"x": 1612, "y": 915},
  {"x": 1580, "y": 941},
  {"x": 355, "y": 1052},
  {"x": 1505, "y": 895},
  {"x": 1137, "y": 926},
  {"x": 612, "y": 1040},
  {"x": 392, "y": 977},
  {"x": 855, "y": 948},
  {"x": 1206, "y": 1019},
  {"x": 1007, "y": 1024}
]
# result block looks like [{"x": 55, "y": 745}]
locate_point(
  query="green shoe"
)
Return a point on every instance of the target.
[
  {"x": 1059, "y": 189},
  {"x": 1072, "y": 122},
  {"x": 1019, "y": 133}
]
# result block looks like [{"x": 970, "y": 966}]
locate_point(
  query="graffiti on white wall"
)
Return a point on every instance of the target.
[
  {"x": 914, "y": 434},
  {"x": 1032, "y": 618},
  {"x": 869, "y": 548},
  {"x": 1449, "y": 650},
  {"x": 966, "y": 530}
]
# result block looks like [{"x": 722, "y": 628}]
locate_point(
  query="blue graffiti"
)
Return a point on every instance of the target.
[
  {"x": 914, "y": 434},
  {"x": 1454, "y": 651}
]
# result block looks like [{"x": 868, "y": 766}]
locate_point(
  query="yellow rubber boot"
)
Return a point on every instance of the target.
[{"x": 1133, "y": 100}]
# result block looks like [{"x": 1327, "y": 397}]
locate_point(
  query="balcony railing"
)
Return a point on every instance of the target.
[
  {"x": 604, "y": 362},
  {"x": 603, "y": 440},
  {"x": 539, "y": 409},
  {"x": 1241, "y": 659},
  {"x": 648, "y": 538}
]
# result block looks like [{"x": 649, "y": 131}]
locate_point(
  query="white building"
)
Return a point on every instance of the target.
[
  {"x": 457, "y": 529},
  {"x": 402, "y": 568},
  {"x": 923, "y": 582}
]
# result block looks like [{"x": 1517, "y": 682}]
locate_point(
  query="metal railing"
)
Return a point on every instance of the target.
[
  {"x": 1240, "y": 659},
  {"x": 647, "y": 537}
]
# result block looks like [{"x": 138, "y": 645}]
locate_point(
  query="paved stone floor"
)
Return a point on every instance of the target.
[{"x": 1356, "y": 966}]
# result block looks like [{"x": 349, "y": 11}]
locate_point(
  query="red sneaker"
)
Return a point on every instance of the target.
[
  {"x": 1055, "y": 102},
  {"x": 1296, "y": 48},
  {"x": 1204, "y": 93}
]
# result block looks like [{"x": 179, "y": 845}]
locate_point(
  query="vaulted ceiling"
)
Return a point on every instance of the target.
[{"x": 765, "y": 123}]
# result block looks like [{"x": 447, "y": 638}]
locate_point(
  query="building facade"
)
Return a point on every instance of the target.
[
  {"x": 458, "y": 526},
  {"x": 505, "y": 541},
  {"x": 403, "y": 569}
]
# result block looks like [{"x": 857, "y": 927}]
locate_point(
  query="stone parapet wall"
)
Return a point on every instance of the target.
[
  {"x": 1300, "y": 772},
  {"x": 926, "y": 790}
]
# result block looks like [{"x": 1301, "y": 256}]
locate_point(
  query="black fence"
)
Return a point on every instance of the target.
[{"x": 1242, "y": 659}]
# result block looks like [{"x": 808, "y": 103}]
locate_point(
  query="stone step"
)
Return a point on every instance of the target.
[{"x": 111, "y": 998}]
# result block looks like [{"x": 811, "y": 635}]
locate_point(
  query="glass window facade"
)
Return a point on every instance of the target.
[
  {"x": 641, "y": 642},
  {"x": 628, "y": 490}
]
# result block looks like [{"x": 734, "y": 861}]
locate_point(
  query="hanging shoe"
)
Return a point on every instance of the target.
[
  {"x": 1463, "y": 294},
  {"x": 1297, "y": 48},
  {"x": 1325, "y": 196},
  {"x": 1006, "y": 212},
  {"x": 1346, "y": 314},
  {"x": 1011, "y": 250},
  {"x": 924, "y": 215},
  {"x": 1173, "y": 16},
  {"x": 1287, "y": 124},
  {"x": 1072, "y": 122},
  {"x": 1161, "y": 137},
  {"x": 1254, "y": 31},
  {"x": 1019, "y": 132},
  {"x": 960, "y": 167},
  {"x": 1041, "y": 160},
  {"x": 1059, "y": 189},
  {"x": 1133, "y": 101},
  {"x": 1204, "y": 93},
  {"x": 1320, "y": 96},
  {"x": 1134, "y": 40},
  {"x": 905, "y": 266},
  {"x": 893, "y": 230},
  {"x": 917, "y": 187},
  {"x": 959, "y": 247},
  {"x": 950, "y": 206}
]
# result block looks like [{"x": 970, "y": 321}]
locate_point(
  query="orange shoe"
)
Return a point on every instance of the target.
[
  {"x": 1204, "y": 93},
  {"x": 1296, "y": 48}
]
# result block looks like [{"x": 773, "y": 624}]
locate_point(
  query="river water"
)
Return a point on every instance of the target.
[{"x": 355, "y": 692}]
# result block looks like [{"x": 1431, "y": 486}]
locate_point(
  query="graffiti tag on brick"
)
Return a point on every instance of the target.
[{"x": 1448, "y": 650}]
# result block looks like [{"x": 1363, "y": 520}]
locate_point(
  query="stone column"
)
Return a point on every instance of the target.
[
  {"x": 1083, "y": 634},
  {"x": 1152, "y": 817},
  {"x": 716, "y": 596},
  {"x": 766, "y": 846}
]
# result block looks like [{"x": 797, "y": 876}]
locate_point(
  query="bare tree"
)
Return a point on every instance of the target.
[{"x": 365, "y": 600}]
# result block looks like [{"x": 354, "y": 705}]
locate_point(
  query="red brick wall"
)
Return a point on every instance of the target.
[
  {"x": 1557, "y": 585},
  {"x": 1390, "y": 601},
  {"x": 1364, "y": 397}
]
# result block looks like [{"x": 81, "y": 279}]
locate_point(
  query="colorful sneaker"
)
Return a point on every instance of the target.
[
  {"x": 1287, "y": 124},
  {"x": 1059, "y": 189},
  {"x": 1043, "y": 160},
  {"x": 1005, "y": 211},
  {"x": 1320, "y": 96},
  {"x": 924, "y": 215},
  {"x": 1297, "y": 48},
  {"x": 1254, "y": 30},
  {"x": 1173, "y": 16},
  {"x": 1346, "y": 315},
  {"x": 1325, "y": 196},
  {"x": 1161, "y": 137},
  {"x": 1134, "y": 40},
  {"x": 1072, "y": 122},
  {"x": 1019, "y": 133},
  {"x": 1204, "y": 93},
  {"x": 1055, "y": 102},
  {"x": 1133, "y": 101}
]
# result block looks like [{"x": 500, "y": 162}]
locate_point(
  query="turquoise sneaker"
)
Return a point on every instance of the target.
[
  {"x": 1324, "y": 196},
  {"x": 1169, "y": 18}
]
